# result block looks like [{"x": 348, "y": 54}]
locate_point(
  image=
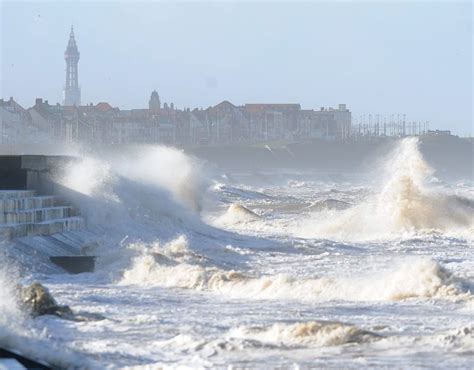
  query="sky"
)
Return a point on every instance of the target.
[{"x": 412, "y": 58}]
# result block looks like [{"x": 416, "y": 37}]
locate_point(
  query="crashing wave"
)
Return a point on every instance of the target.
[
  {"x": 414, "y": 278},
  {"x": 236, "y": 214},
  {"x": 406, "y": 204},
  {"x": 307, "y": 334},
  {"x": 166, "y": 171}
]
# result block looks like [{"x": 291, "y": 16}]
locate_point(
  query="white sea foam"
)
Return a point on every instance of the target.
[
  {"x": 405, "y": 204},
  {"x": 19, "y": 333},
  {"x": 10, "y": 313},
  {"x": 461, "y": 339},
  {"x": 280, "y": 336},
  {"x": 160, "y": 167},
  {"x": 147, "y": 193},
  {"x": 308, "y": 334},
  {"x": 168, "y": 168},
  {"x": 89, "y": 176},
  {"x": 151, "y": 236},
  {"x": 410, "y": 278}
]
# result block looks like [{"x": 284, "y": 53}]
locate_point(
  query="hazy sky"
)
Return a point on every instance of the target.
[{"x": 378, "y": 57}]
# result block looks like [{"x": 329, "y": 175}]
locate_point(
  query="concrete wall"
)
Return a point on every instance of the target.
[{"x": 31, "y": 172}]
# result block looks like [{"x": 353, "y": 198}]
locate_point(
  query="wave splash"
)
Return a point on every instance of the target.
[
  {"x": 405, "y": 204},
  {"x": 412, "y": 278},
  {"x": 159, "y": 167},
  {"x": 307, "y": 334},
  {"x": 236, "y": 214},
  {"x": 18, "y": 332}
]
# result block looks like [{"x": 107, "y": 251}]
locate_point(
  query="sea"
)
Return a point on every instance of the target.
[{"x": 203, "y": 267}]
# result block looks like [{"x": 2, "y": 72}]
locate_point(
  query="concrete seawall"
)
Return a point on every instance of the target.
[
  {"x": 39, "y": 226},
  {"x": 31, "y": 172}
]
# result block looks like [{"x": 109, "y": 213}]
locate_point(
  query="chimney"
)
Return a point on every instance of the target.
[{"x": 38, "y": 102}]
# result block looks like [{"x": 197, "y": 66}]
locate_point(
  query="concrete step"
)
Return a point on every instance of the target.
[
  {"x": 59, "y": 225},
  {"x": 29, "y": 203},
  {"x": 13, "y": 194},
  {"x": 36, "y": 215},
  {"x": 11, "y": 231},
  {"x": 35, "y": 251}
]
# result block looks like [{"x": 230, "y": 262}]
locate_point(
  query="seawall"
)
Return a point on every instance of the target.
[
  {"x": 40, "y": 229},
  {"x": 31, "y": 172}
]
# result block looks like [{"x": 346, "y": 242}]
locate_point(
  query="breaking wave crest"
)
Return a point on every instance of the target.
[
  {"x": 307, "y": 334},
  {"x": 279, "y": 336},
  {"x": 405, "y": 204},
  {"x": 150, "y": 193},
  {"x": 161, "y": 167},
  {"x": 413, "y": 278},
  {"x": 236, "y": 214}
]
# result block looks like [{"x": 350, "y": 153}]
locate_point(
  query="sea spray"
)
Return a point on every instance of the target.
[
  {"x": 168, "y": 168},
  {"x": 406, "y": 204},
  {"x": 135, "y": 193},
  {"x": 151, "y": 194},
  {"x": 257, "y": 294},
  {"x": 89, "y": 176},
  {"x": 20, "y": 333},
  {"x": 308, "y": 334},
  {"x": 411, "y": 277},
  {"x": 236, "y": 214},
  {"x": 10, "y": 312},
  {"x": 162, "y": 168}
]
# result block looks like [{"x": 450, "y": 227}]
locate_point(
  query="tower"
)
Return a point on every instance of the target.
[
  {"x": 72, "y": 92},
  {"x": 154, "y": 103}
]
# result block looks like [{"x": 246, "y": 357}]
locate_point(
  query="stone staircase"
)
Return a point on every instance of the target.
[{"x": 23, "y": 213}]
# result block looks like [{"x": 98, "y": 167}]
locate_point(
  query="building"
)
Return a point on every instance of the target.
[
  {"x": 326, "y": 123},
  {"x": 49, "y": 119},
  {"x": 14, "y": 122},
  {"x": 224, "y": 123},
  {"x": 72, "y": 91},
  {"x": 273, "y": 121},
  {"x": 342, "y": 119},
  {"x": 133, "y": 126}
]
